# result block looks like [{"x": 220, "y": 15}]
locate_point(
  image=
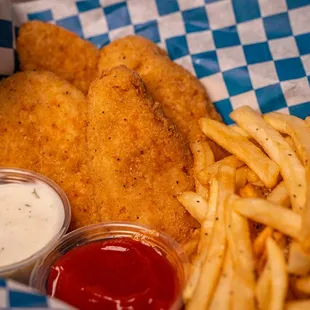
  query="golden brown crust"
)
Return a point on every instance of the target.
[
  {"x": 182, "y": 96},
  {"x": 42, "y": 46},
  {"x": 43, "y": 128},
  {"x": 139, "y": 161}
]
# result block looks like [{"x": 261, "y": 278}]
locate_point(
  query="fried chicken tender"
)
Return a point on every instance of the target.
[
  {"x": 43, "y": 128},
  {"x": 182, "y": 96},
  {"x": 139, "y": 161},
  {"x": 42, "y": 46}
]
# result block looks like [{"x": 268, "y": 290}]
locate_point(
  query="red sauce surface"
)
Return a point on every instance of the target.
[{"x": 118, "y": 274}]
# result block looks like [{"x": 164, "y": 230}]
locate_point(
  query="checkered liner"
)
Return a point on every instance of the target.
[
  {"x": 19, "y": 297},
  {"x": 254, "y": 52}
]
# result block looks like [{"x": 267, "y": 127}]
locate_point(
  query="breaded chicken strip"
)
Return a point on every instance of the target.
[
  {"x": 139, "y": 161},
  {"x": 43, "y": 128},
  {"x": 42, "y": 46},
  {"x": 182, "y": 96}
]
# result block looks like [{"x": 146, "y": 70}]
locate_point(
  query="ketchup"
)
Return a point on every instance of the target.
[{"x": 114, "y": 274}]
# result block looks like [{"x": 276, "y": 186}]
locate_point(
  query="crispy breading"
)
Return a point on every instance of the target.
[
  {"x": 139, "y": 161},
  {"x": 43, "y": 128},
  {"x": 183, "y": 98},
  {"x": 43, "y": 46}
]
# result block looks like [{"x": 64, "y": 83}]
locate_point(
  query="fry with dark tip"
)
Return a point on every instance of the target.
[
  {"x": 140, "y": 164},
  {"x": 43, "y": 46},
  {"x": 183, "y": 98},
  {"x": 43, "y": 128}
]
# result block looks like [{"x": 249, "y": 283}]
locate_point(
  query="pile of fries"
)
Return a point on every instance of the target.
[{"x": 254, "y": 211}]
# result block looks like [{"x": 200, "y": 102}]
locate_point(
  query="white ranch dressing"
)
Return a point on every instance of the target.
[{"x": 31, "y": 214}]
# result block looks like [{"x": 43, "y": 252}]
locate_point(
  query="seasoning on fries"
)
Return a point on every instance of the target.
[
  {"x": 243, "y": 149},
  {"x": 300, "y": 133},
  {"x": 262, "y": 211},
  {"x": 279, "y": 150},
  {"x": 238, "y": 270}
]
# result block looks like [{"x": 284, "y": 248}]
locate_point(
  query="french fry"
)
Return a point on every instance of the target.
[
  {"x": 203, "y": 156},
  {"x": 300, "y": 134},
  {"x": 249, "y": 191},
  {"x": 212, "y": 264},
  {"x": 203, "y": 247},
  {"x": 286, "y": 221},
  {"x": 196, "y": 205},
  {"x": 240, "y": 130},
  {"x": 303, "y": 285},
  {"x": 252, "y": 176},
  {"x": 190, "y": 246},
  {"x": 208, "y": 223},
  {"x": 242, "y": 294},
  {"x": 245, "y": 150},
  {"x": 278, "y": 276},
  {"x": 260, "y": 263},
  {"x": 298, "y": 305},
  {"x": 222, "y": 297},
  {"x": 201, "y": 190},
  {"x": 244, "y": 174},
  {"x": 223, "y": 272},
  {"x": 241, "y": 177},
  {"x": 206, "y": 175},
  {"x": 307, "y": 120},
  {"x": 279, "y": 150},
  {"x": 298, "y": 260},
  {"x": 260, "y": 241},
  {"x": 238, "y": 235},
  {"x": 280, "y": 239},
  {"x": 263, "y": 287},
  {"x": 290, "y": 141},
  {"x": 279, "y": 196},
  {"x": 243, "y": 248}
]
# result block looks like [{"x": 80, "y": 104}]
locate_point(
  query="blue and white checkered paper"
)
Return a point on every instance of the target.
[
  {"x": 6, "y": 39},
  {"x": 16, "y": 296},
  {"x": 253, "y": 52}
]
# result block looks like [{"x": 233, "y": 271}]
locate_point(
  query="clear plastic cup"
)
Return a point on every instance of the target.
[
  {"x": 98, "y": 232},
  {"x": 21, "y": 271}
]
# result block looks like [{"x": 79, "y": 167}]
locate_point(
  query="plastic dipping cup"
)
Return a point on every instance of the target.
[
  {"x": 24, "y": 258},
  {"x": 169, "y": 248}
]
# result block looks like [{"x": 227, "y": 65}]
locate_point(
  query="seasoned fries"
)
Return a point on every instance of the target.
[
  {"x": 258, "y": 256},
  {"x": 279, "y": 195},
  {"x": 203, "y": 156},
  {"x": 241, "y": 177},
  {"x": 298, "y": 305},
  {"x": 303, "y": 285},
  {"x": 222, "y": 296},
  {"x": 279, "y": 150},
  {"x": 263, "y": 289},
  {"x": 206, "y": 175},
  {"x": 300, "y": 133},
  {"x": 260, "y": 241},
  {"x": 245, "y": 150},
  {"x": 249, "y": 191},
  {"x": 278, "y": 276},
  {"x": 206, "y": 229},
  {"x": 290, "y": 141},
  {"x": 212, "y": 264},
  {"x": 298, "y": 260},
  {"x": 262, "y": 211},
  {"x": 196, "y": 205},
  {"x": 240, "y": 244},
  {"x": 240, "y": 130}
]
